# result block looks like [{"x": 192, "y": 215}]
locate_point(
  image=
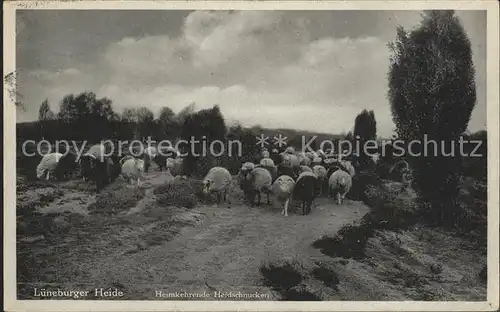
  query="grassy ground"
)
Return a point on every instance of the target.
[{"x": 159, "y": 237}]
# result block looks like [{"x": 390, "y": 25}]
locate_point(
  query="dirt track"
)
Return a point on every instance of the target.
[{"x": 227, "y": 248}]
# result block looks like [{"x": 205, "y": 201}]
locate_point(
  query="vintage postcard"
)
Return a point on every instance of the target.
[{"x": 251, "y": 155}]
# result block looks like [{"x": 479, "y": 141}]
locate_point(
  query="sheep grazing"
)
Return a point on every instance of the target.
[
  {"x": 321, "y": 173},
  {"x": 88, "y": 161},
  {"x": 87, "y": 166},
  {"x": 97, "y": 151},
  {"x": 133, "y": 170},
  {"x": 255, "y": 182},
  {"x": 114, "y": 168},
  {"x": 268, "y": 163},
  {"x": 218, "y": 180},
  {"x": 66, "y": 166},
  {"x": 48, "y": 165},
  {"x": 339, "y": 184},
  {"x": 100, "y": 170},
  {"x": 304, "y": 191},
  {"x": 282, "y": 188}
]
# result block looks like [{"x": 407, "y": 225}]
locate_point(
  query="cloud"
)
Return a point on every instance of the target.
[{"x": 261, "y": 67}]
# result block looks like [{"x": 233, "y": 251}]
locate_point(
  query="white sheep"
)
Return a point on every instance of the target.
[
  {"x": 321, "y": 173},
  {"x": 282, "y": 188},
  {"x": 48, "y": 164},
  {"x": 339, "y": 184},
  {"x": 97, "y": 151},
  {"x": 255, "y": 182},
  {"x": 349, "y": 167},
  {"x": 133, "y": 170},
  {"x": 268, "y": 164},
  {"x": 218, "y": 180},
  {"x": 304, "y": 190}
]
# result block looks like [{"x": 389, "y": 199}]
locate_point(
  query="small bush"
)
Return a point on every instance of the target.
[
  {"x": 116, "y": 198},
  {"x": 179, "y": 194},
  {"x": 299, "y": 293},
  {"x": 360, "y": 182},
  {"x": 388, "y": 211},
  {"x": 280, "y": 276},
  {"x": 348, "y": 243},
  {"x": 326, "y": 275}
]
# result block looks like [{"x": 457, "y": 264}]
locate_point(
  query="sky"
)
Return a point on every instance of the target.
[{"x": 309, "y": 70}]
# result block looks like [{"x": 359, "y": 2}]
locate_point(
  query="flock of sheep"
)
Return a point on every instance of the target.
[
  {"x": 101, "y": 169},
  {"x": 286, "y": 176}
]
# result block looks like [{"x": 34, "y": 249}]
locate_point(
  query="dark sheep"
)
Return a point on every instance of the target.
[
  {"x": 100, "y": 171},
  {"x": 305, "y": 191},
  {"x": 66, "y": 166}
]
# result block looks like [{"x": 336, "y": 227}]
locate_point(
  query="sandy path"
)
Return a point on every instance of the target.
[{"x": 225, "y": 250}]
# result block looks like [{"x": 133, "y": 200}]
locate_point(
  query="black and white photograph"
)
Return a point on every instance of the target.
[{"x": 203, "y": 154}]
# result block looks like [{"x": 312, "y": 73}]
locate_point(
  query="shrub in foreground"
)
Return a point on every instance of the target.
[
  {"x": 116, "y": 198},
  {"x": 179, "y": 194}
]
